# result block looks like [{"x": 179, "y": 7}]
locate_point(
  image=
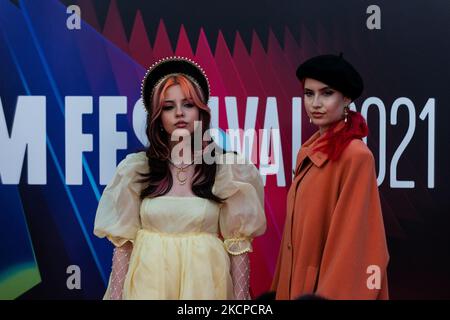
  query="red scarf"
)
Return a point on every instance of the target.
[{"x": 335, "y": 141}]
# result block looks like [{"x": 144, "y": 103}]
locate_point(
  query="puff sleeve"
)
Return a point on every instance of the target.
[
  {"x": 242, "y": 214},
  {"x": 117, "y": 216}
]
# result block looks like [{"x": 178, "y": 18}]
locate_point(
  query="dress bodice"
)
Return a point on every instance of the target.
[{"x": 171, "y": 214}]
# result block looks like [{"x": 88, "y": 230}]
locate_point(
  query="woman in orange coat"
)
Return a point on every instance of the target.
[{"x": 334, "y": 243}]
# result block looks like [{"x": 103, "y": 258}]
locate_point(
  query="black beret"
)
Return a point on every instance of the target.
[
  {"x": 171, "y": 66},
  {"x": 334, "y": 71}
]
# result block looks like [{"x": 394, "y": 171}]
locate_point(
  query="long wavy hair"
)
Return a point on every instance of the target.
[{"x": 158, "y": 181}]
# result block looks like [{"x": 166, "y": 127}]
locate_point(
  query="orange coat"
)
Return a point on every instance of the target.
[{"x": 334, "y": 228}]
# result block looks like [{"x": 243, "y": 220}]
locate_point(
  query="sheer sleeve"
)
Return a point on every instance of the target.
[{"x": 119, "y": 269}]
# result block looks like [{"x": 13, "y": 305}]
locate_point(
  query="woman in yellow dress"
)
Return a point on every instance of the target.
[{"x": 182, "y": 227}]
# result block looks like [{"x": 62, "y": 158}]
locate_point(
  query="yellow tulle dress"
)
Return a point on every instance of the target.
[{"x": 181, "y": 245}]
